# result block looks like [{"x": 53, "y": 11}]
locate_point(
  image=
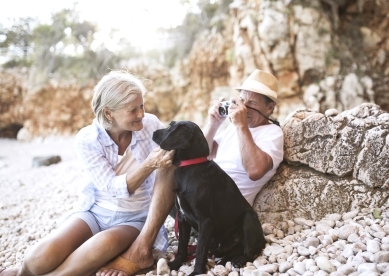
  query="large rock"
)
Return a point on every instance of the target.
[
  {"x": 12, "y": 91},
  {"x": 333, "y": 163},
  {"x": 57, "y": 109}
]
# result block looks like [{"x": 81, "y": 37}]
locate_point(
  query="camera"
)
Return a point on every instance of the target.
[{"x": 223, "y": 110}]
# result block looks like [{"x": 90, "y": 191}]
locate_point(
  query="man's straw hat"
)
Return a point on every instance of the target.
[{"x": 263, "y": 83}]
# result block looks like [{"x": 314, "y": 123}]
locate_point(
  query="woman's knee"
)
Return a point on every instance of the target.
[
  {"x": 119, "y": 237},
  {"x": 42, "y": 258},
  {"x": 53, "y": 249}
]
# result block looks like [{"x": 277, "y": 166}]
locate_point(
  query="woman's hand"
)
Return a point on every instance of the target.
[{"x": 159, "y": 158}]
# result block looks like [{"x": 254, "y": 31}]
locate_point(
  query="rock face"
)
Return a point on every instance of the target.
[
  {"x": 53, "y": 109},
  {"x": 12, "y": 92},
  {"x": 57, "y": 109},
  {"x": 315, "y": 53},
  {"x": 334, "y": 163},
  {"x": 326, "y": 54},
  {"x": 322, "y": 60}
]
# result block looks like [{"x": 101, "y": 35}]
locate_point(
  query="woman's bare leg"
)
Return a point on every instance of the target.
[
  {"x": 162, "y": 202},
  {"x": 72, "y": 250},
  {"x": 53, "y": 249},
  {"x": 97, "y": 251}
]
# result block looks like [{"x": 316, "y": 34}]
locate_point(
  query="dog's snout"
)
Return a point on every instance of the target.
[{"x": 157, "y": 136}]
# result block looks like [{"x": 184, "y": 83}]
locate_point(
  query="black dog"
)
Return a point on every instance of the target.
[{"x": 209, "y": 201}]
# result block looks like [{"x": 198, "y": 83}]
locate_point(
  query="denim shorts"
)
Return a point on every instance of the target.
[{"x": 100, "y": 219}]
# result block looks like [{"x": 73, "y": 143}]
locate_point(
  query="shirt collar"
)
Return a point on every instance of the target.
[
  {"x": 106, "y": 140},
  {"x": 103, "y": 136}
]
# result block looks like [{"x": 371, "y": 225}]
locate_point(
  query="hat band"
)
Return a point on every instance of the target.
[{"x": 258, "y": 87}]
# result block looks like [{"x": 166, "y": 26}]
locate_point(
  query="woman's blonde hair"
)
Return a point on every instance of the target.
[{"x": 114, "y": 91}]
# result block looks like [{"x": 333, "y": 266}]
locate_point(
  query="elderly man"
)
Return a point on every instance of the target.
[{"x": 251, "y": 148}]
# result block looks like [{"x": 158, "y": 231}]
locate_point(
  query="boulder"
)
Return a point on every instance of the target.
[
  {"x": 39, "y": 161},
  {"x": 332, "y": 164}
]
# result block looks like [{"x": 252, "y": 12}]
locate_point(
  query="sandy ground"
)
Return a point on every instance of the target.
[
  {"x": 33, "y": 199},
  {"x": 16, "y": 157}
]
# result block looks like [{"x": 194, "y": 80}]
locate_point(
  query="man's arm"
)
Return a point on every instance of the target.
[
  {"x": 209, "y": 133},
  {"x": 214, "y": 122},
  {"x": 255, "y": 161}
]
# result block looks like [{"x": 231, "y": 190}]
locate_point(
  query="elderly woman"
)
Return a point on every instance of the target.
[{"x": 124, "y": 168}]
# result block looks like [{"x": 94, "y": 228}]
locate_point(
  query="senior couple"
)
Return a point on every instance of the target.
[{"x": 128, "y": 191}]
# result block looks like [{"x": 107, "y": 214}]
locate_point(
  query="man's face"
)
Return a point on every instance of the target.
[{"x": 258, "y": 102}]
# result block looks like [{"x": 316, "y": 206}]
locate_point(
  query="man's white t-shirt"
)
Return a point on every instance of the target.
[{"x": 268, "y": 138}]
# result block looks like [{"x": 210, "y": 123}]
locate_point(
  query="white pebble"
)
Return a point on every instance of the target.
[
  {"x": 370, "y": 267},
  {"x": 285, "y": 266},
  {"x": 162, "y": 267},
  {"x": 303, "y": 221},
  {"x": 346, "y": 269},
  {"x": 303, "y": 251},
  {"x": 373, "y": 246},
  {"x": 220, "y": 270},
  {"x": 324, "y": 264},
  {"x": 299, "y": 267}
]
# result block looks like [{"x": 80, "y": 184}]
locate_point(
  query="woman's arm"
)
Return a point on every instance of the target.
[{"x": 157, "y": 159}]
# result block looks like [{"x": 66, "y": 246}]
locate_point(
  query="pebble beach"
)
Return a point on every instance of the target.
[{"x": 33, "y": 199}]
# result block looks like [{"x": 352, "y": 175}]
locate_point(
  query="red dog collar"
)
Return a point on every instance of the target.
[{"x": 193, "y": 161}]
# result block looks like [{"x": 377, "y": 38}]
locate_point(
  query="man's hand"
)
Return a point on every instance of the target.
[
  {"x": 215, "y": 119},
  {"x": 237, "y": 112}
]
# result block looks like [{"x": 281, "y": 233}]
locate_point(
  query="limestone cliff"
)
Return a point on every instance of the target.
[{"x": 326, "y": 54}]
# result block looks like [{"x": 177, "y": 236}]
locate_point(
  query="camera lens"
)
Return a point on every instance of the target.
[{"x": 222, "y": 111}]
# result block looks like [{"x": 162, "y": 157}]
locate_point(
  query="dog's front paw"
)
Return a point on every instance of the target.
[
  {"x": 175, "y": 264},
  {"x": 197, "y": 273},
  {"x": 239, "y": 261}
]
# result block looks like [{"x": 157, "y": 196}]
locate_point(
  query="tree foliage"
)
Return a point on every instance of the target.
[
  {"x": 201, "y": 16},
  {"x": 17, "y": 41},
  {"x": 66, "y": 48}
]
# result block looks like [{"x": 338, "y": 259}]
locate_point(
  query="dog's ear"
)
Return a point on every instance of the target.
[{"x": 177, "y": 138}]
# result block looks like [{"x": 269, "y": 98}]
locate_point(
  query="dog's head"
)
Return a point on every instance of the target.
[{"x": 185, "y": 137}]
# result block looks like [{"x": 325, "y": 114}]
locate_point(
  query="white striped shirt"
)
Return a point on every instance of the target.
[{"x": 98, "y": 154}]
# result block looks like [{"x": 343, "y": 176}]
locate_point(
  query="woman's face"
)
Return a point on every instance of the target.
[{"x": 130, "y": 116}]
